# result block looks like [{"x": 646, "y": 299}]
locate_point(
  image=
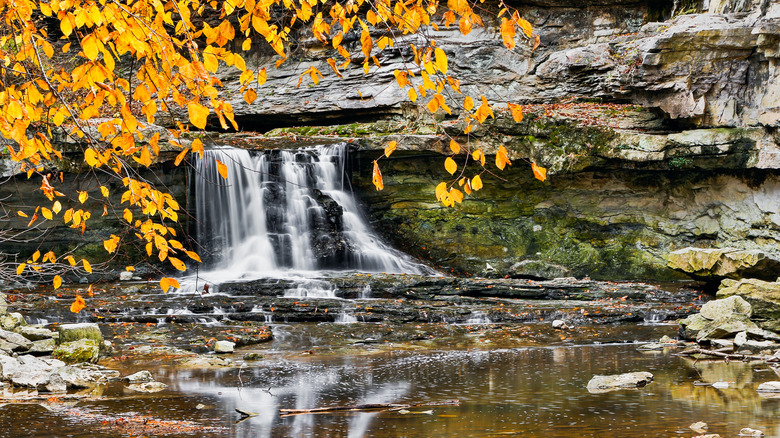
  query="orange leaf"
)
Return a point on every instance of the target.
[
  {"x": 441, "y": 190},
  {"x": 377, "y": 177},
  {"x": 78, "y": 304},
  {"x": 57, "y": 281},
  {"x": 502, "y": 158},
  {"x": 222, "y": 169},
  {"x": 450, "y": 165},
  {"x": 476, "y": 183},
  {"x": 250, "y": 96},
  {"x": 454, "y": 147},
  {"x": 539, "y": 172},
  {"x": 166, "y": 283},
  {"x": 390, "y": 148},
  {"x": 87, "y": 266},
  {"x": 517, "y": 112}
]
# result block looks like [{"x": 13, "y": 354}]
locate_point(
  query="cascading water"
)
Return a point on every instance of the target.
[{"x": 285, "y": 210}]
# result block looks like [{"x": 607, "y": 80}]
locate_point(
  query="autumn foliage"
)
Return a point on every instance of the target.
[{"x": 100, "y": 71}]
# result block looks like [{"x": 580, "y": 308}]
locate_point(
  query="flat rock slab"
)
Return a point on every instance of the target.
[
  {"x": 769, "y": 387},
  {"x": 764, "y": 296},
  {"x": 720, "y": 263},
  {"x": 619, "y": 381},
  {"x": 726, "y": 307}
]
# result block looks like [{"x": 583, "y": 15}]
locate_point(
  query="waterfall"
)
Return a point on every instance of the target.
[{"x": 285, "y": 210}]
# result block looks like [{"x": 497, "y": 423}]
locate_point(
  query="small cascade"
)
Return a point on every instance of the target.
[
  {"x": 311, "y": 289},
  {"x": 654, "y": 317},
  {"x": 285, "y": 210},
  {"x": 347, "y": 316},
  {"x": 478, "y": 317},
  {"x": 365, "y": 293}
]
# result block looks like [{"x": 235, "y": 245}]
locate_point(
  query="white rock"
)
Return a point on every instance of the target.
[
  {"x": 740, "y": 339},
  {"x": 560, "y": 324},
  {"x": 746, "y": 431},
  {"x": 720, "y": 385},
  {"x": 125, "y": 276},
  {"x": 769, "y": 387},
  {"x": 224, "y": 347},
  {"x": 698, "y": 427},
  {"x": 140, "y": 377},
  {"x": 148, "y": 387},
  {"x": 619, "y": 381}
]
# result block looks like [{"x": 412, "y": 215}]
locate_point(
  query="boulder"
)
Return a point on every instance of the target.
[
  {"x": 42, "y": 347},
  {"x": 691, "y": 326},
  {"x": 74, "y": 332},
  {"x": 726, "y": 307},
  {"x": 747, "y": 431},
  {"x": 763, "y": 296},
  {"x": 769, "y": 387},
  {"x": 725, "y": 327},
  {"x": 224, "y": 347},
  {"x": 3, "y": 304},
  {"x": 619, "y": 381},
  {"x": 719, "y": 263},
  {"x": 11, "y": 321},
  {"x": 83, "y": 350},
  {"x": 11, "y": 341},
  {"x": 538, "y": 269}
]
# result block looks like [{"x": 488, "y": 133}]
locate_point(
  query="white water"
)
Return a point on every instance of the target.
[{"x": 277, "y": 215}]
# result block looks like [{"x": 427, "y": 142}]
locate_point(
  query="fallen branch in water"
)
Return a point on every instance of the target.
[
  {"x": 735, "y": 356},
  {"x": 364, "y": 407}
]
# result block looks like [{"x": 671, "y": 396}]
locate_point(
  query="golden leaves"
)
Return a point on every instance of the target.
[
  {"x": 517, "y": 112},
  {"x": 78, "y": 304},
  {"x": 198, "y": 114},
  {"x": 250, "y": 95},
  {"x": 476, "y": 183},
  {"x": 390, "y": 148},
  {"x": 450, "y": 165},
  {"x": 111, "y": 244},
  {"x": 502, "y": 158},
  {"x": 454, "y": 147},
  {"x": 57, "y": 281},
  {"x": 87, "y": 266},
  {"x": 377, "y": 177},
  {"x": 166, "y": 283},
  {"x": 441, "y": 60}
]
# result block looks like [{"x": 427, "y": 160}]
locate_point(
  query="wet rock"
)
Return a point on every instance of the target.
[
  {"x": 726, "y": 307},
  {"x": 253, "y": 356},
  {"x": 720, "y": 385},
  {"x": 559, "y": 324},
  {"x": 709, "y": 435},
  {"x": 769, "y": 387},
  {"x": 652, "y": 346},
  {"x": 619, "y": 381},
  {"x": 722, "y": 344},
  {"x": 35, "y": 333},
  {"x": 42, "y": 347},
  {"x": 538, "y": 269},
  {"x": 224, "y": 347},
  {"x": 75, "y": 332},
  {"x": 148, "y": 387},
  {"x": 85, "y": 375},
  {"x": 11, "y": 321},
  {"x": 10, "y": 341},
  {"x": 719, "y": 263},
  {"x": 725, "y": 327},
  {"x": 692, "y": 325},
  {"x": 33, "y": 372},
  {"x": 83, "y": 350},
  {"x": 747, "y": 431},
  {"x": 139, "y": 377},
  {"x": 206, "y": 362},
  {"x": 764, "y": 296},
  {"x": 698, "y": 427},
  {"x": 125, "y": 276},
  {"x": 667, "y": 340}
]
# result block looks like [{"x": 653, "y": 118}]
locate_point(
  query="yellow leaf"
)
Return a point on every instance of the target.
[
  {"x": 246, "y": 45},
  {"x": 517, "y": 112},
  {"x": 441, "y": 190},
  {"x": 401, "y": 77},
  {"x": 65, "y": 26},
  {"x": 89, "y": 45},
  {"x": 57, "y": 207},
  {"x": 377, "y": 177},
  {"x": 46, "y": 213},
  {"x": 36, "y": 256},
  {"x": 250, "y": 96},
  {"x": 166, "y": 283},
  {"x": 57, "y": 281},
  {"x": 198, "y": 114},
  {"x": 468, "y": 103},
  {"x": 178, "y": 264},
  {"x": 390, "y": 148},
  {"x": 528, "y": 30},
  {"x": 83, "y": 196},
  {"x": 104, "y": 191},
  {"x": 197, "y": 146},
  {"x": 180, "y": 157},
  {"x": 111, "y": 244},
  {"x": 412, "y": 95},
  {"x": 502, "y": 158},
  {"x": 476, "y": 183},
  {"x": 87, "y": 266},
  {"x": 456, "y": 195},
  {"x": 222, "y": 169},
  {"x": 20, "y": 268},
  {"x": 78, "y": 304},
  {"x": 21, "y": 213},
  {"x": 478, "y": 156},
  {"x": 433, "y": 105},
  {"x": 129, "y": 268},
  {"x": 450, "y": 165},
  {"x": 128, "y": 215},
  {"x": 71, "y": 260},
  {"x": 441, "y": 60},
  {"x": 539, "y": 172},
  {"x": 454, "y": 147},
  {"x": 193, "y": 255},
  {"x": 90, "y": 156}
]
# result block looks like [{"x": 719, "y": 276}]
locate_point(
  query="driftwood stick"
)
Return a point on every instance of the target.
[
  {"x": 693, "y": 351},
  {"x": 365, "y": 407}
]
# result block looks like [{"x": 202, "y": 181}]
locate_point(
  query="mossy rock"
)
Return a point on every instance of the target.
[
  {"x": 83, "y": 350},
  {"x": 75, "y": 332}
]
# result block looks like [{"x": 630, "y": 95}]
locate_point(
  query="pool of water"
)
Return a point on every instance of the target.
[{"x": 523, "y": 391}]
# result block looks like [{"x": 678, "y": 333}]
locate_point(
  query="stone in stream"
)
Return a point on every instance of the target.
[
  {"x": 725, "y": 327},
  {"x": 74, "y": 332},
  {"x": 726, "y": 307},
  {"x": 698, "y": 427},
  {"x": 85, "y": 375},
  {"x": 615, "y": 382},
  {"x": 747, "y": 431},
  {"x": 224, "y": 347},
  {"x": 692, "y": 325},
  {"x": 148, "y": 387},
  {"x": 83, "y": 350},
  {"x": 36, "y": 333},
  {"x": 10, "y": 341},
  {"x": 11, "y": 321},
  {"x": 42, "y": 347},
  {"x": 139, "y": 377}
]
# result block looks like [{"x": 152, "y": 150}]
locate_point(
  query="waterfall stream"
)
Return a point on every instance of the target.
[{"x": 284, "y": 213}]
